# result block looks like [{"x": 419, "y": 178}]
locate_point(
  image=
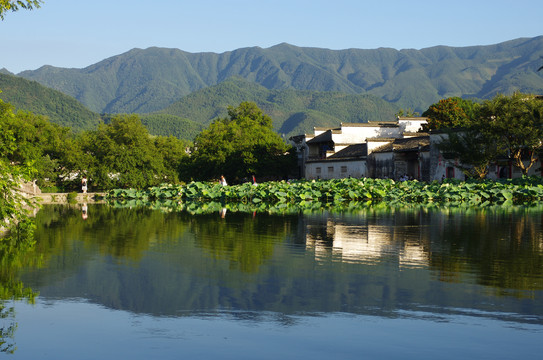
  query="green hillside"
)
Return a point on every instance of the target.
[
  {"x": 171, "y": 125},
  {"x": 59, "y": 108},
  {"x": 66, "y": 111},
  {"x": 293, "y": 112},
  {"x": 149, "y": 80}
]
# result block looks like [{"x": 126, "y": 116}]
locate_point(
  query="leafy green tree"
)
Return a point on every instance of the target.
[
  {"x": 407, "y": 113},
  {"x": 14, "y": 5},
  {"x": 241, "y": 145},
  {"x": 42, "y": 143},
  {"x": 517, "y": 121},
  {"x": 475, "y": 150},
  {"x": 123, "y": 154},
  {"x": 449, "y": 113},
  {"x": 174, "y": 155},
  {"x": 12, "y": 172}
]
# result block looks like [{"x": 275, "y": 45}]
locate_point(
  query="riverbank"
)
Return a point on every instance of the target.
[{"x": 62, "y": 198}]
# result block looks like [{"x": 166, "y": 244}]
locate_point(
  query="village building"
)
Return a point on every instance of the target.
[
  {"x": 397, "y": 150},
  {"x": 372, "y": 149}
]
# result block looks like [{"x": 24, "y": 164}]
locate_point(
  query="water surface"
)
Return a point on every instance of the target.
[{"x": 416, "y": 283}]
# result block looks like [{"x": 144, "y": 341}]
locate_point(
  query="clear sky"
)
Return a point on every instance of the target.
[{"x": 78, "y": 33}]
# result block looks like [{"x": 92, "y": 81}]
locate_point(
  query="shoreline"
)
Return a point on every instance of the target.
[{"x": 62, "y": 198}]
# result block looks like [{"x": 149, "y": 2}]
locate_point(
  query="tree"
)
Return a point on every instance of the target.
[
  {"x": 450, "y": 113},
  {"x": 174, "y": 154},
  {"x": 241, "y": 145},
  {"x": 517, "y": 121},
  {"x": 123, "y": 154},
  {"x": 407, "y": 113},
  {"x": 12, "y": 172},
  {"x": 42, "y": 143},
  {"x": 14, "y": 5},
  {"x": 475, "y": 149}
]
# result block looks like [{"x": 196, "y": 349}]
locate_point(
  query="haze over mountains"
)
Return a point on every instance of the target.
[{"x": 188, "y": 85}]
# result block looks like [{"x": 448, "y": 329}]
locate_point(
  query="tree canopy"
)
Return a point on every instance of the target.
[
  {"x": 14, "y": 5},
  {"x": 450, "y": 113},
  {"x": 13, "y": 169},
  {"x": 238, "y": 146},
  {"x": 507, "y": 127},
  {"x": 517, "y": 121},
  {"x": 124, "y": 154}
]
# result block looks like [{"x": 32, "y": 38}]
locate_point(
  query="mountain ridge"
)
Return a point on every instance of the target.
[
  {"x": 60, "y": 108},
  {"x": 148, "y": 80},
  {"x": 292, "y": 111}
]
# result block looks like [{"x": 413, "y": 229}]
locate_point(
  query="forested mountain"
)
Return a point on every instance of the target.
[
  {"x": 59, "y": 108},
  {"x": 152, "y": 79},
  {"x": 293, "y": 111}
]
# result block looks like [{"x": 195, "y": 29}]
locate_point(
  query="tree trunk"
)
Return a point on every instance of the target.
[{"x": 517, "y": 157}]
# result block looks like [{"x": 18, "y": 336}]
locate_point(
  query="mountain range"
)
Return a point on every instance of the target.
[
  {"x": 293, "y": 111},
  {"x": 60, "y": 108},
  {"x": 178, "y": 93},
  {"x": 148, "y": 80}
]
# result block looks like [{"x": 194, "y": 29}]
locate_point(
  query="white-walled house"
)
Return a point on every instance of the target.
[
  {"x": 350, "y": 161},
  {"x": 411, "y": 124},
  {"x": 386, "y": 150},
  {"x": 344, "y": 151}
]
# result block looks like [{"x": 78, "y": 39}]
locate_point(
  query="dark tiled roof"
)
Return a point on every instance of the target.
[
  {"x": 372, "y": 124},
  {"x": 405, "y": 144},
  {"x": 324, "y": 137},
  {"x": 411, "y": 144},
  {"x": 383, "y": 148},
  {"x": 351, "y": 151},
  {"x": 412, "y": 118},
  {"x": 415, "y": 134}
]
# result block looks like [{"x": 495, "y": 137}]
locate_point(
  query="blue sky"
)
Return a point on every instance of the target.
[{"x": 78, "y": 33}]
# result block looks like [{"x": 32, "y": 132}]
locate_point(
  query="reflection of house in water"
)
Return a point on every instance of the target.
[{"x": 367, "y": 243}]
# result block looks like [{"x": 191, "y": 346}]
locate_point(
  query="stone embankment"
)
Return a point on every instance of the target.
[
  {"x": 32, "y": 191},
  {"x": 62, "y": 198}
]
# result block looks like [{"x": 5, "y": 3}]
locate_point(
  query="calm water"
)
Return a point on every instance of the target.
[{"x": 147, "y": 284}]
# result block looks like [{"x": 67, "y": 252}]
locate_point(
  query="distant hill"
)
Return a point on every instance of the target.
[
  {"x": 149, "y": 80},
  {"x": 293, "y": 111},
  {"x": 171, "y": 125},
  {"x": 59, "y": 108},
  {"x": 66, "y": 111}
]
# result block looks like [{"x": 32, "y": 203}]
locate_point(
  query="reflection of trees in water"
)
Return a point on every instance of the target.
[
  {"x": 123, "y": 233},
  {"x": 267, "y": 262},
  {"x": 501, "y": 248},
  {"x": 15, "y": 253},
  {"x": 245, "y": 240}
]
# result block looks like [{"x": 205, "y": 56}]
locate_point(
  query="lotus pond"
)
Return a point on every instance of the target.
[
  {"x": 358, "y": 192},
  {"x": 174, "y": 279}
]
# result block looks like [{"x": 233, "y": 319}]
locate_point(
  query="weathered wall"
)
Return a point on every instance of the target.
[{"x": 335, "y": 169}]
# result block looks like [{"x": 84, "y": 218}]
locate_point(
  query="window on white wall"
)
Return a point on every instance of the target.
[
  {"x": 343, "y": 169},
  {"x": 318, "y": 170},
  {"x": 330, "y": 169}
]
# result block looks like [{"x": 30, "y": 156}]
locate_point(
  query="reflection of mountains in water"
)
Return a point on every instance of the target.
[{"x": 366, "y": 263}]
